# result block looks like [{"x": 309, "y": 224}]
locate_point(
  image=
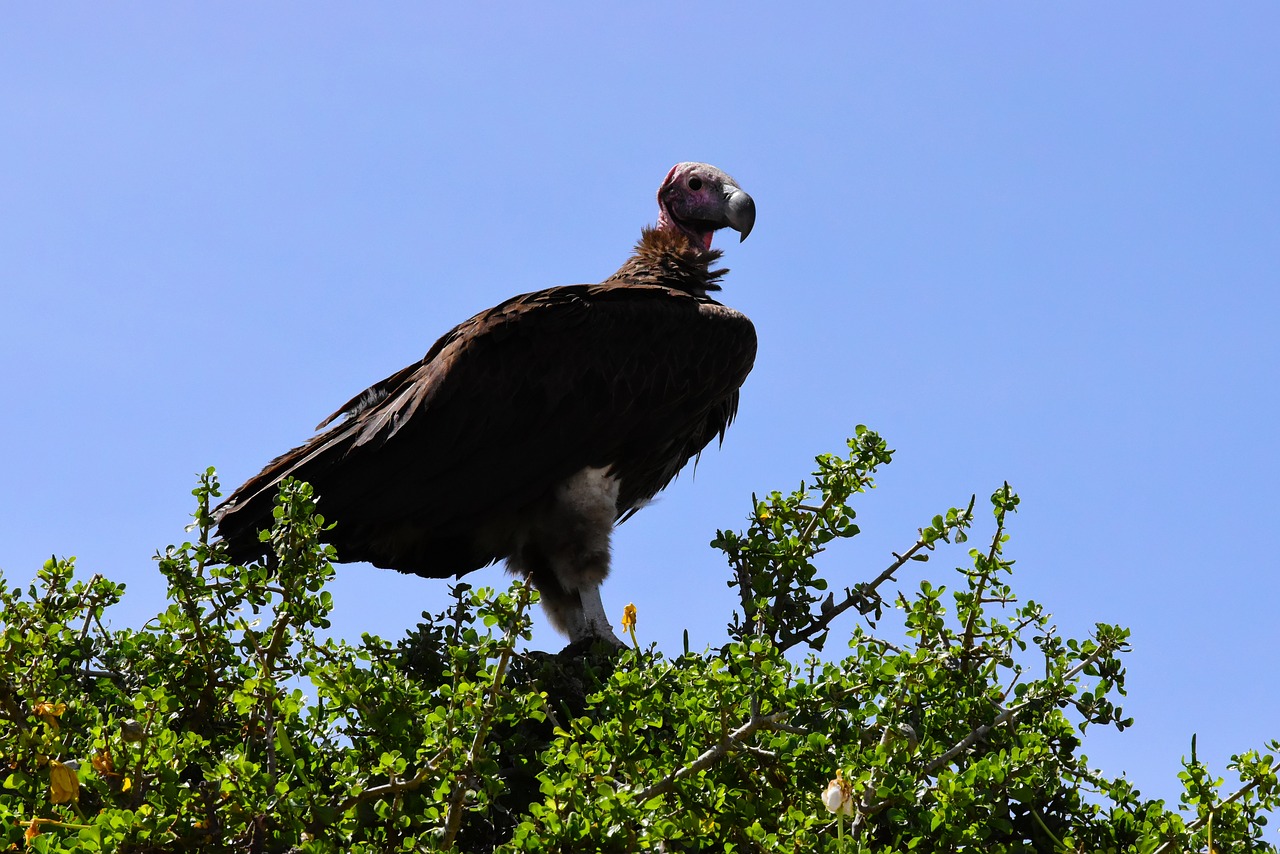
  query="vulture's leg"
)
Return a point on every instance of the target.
[
  {"x": 567, "y": 555},
  {"x": 589, "y": 620}
]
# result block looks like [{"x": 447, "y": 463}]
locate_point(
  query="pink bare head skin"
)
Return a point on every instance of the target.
[{"x": 697, "y": 199}]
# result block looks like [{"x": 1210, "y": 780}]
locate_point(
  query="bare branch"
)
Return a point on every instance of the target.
[
  {"x": 713, "y": 755},
  {"x": 856, "y": 596}
]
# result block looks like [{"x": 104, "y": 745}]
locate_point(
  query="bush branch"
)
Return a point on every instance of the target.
[
  {"x": 453, "y": 821},
  {"x": 1214, "y": 810},
  {"x": 858, "y": 596},
  {"x": 713, "y": 755}
]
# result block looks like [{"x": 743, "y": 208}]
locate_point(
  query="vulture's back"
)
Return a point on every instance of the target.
[{"x": 434, "y": 469}]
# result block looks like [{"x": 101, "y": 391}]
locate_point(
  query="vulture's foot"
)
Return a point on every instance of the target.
[{"x": 590, "y": 621}]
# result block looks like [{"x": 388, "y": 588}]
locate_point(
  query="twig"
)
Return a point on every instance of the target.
[
  {"x": 1057, "y": 843},
  {"x": 967, "y": 646},
  {"x": 192, "y": 610},
  {"x": 1007, "y": 691},
  {"x": 548, "y": 711},
  {"x": 1200, "y": 822},
  {"x": 892, "y": 647},
  {"x": 11, "y": 709},
  {"x": 898, "y": 563},
  {"x": 657, "y": 680},
  {"x": 453, "y": 821},
  {"x": 886, "y": 736},
  {"x": 749, "y": 613},
  {"x": 712, "y": 755},
  {"x": 818, "y": 514},
  {"x": 141, "y": 781},
  {"x": 392, "y": 788},
  {"x": 759, "y": 752},
  {"x": 978, "y": 733},
  {"x": 88, "y": 618},
  {"x": 1009, "y": 714},
  {"x": 856, "y": 596}
]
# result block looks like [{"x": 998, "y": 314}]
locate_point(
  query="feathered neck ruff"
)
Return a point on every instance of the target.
[{"x": 667, "y": 258}]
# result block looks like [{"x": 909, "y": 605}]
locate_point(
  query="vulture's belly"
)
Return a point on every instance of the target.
[{"x": 590, "y": 495}]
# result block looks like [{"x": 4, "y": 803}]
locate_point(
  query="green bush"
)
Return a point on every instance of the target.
[{"x": 953, "y": 721}]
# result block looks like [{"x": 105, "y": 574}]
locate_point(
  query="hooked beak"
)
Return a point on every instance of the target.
[{"x": 739, "y": 211}]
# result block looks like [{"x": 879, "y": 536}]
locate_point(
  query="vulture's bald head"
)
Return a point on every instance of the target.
[{"x": 697, "y": 199}]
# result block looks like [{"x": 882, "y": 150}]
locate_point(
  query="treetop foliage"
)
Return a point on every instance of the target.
[{"x": 952, "y": 717}]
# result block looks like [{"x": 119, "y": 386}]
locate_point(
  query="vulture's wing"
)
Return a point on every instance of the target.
[{"x": 430, "y": 466}]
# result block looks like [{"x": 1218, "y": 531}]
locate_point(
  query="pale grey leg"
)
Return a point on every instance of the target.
[{"x": 591, "y": 620}]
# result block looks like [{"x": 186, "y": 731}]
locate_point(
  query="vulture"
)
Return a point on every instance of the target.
[{"x": 527, "y": 432}]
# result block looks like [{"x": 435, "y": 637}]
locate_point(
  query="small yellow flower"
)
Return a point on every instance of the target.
[
  {"x": 838, "y": 797},
  {"x": 126, "y": 785},
  {"x": 50, "y": 712},
  {"x": 629, "y": 618},
  {"x": 63, "y": 782}
]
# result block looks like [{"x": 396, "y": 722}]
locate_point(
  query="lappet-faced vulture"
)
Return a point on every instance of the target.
[{"x": 527, "y": 432}]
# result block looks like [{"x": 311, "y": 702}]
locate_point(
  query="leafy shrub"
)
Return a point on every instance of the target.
[{"x": 953, "y": 721}]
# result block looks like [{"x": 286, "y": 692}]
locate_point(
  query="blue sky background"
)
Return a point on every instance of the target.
[{"x": 1027, "y": 242}]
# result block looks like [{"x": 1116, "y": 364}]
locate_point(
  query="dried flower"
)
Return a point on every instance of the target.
[
  {"x": 50, "y": 712},
  {"x": 33, "y": 830},
  {"x": 102, "y": 763}
]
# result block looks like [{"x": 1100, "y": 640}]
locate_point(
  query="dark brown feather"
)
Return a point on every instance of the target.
[{"x": 434, "y": 469}]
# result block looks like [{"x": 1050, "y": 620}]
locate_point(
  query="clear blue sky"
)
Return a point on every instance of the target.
[{"x": 1034, "y": 242}]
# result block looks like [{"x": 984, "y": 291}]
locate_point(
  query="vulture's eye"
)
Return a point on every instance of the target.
[{"x": 695, "y": 184}]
